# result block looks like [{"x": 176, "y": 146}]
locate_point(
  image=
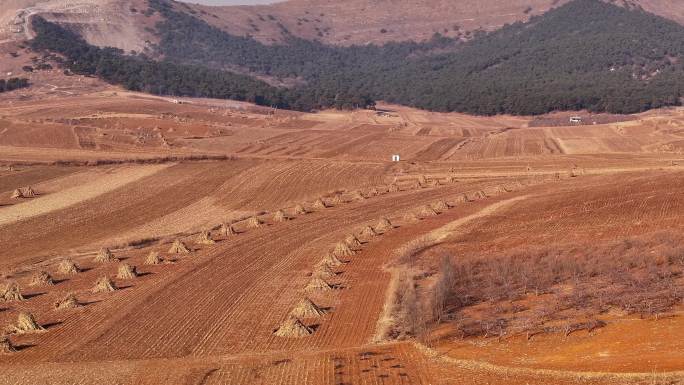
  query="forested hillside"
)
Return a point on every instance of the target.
[{"x": 586, "y": 54}]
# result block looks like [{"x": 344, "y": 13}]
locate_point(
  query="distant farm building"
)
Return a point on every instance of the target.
[
  {"x": 575, "y": 119},
  {"x": 396, "y": 158}
]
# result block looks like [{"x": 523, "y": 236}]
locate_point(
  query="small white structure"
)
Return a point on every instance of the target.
[
  {"x": 575, "y": 119},
  {"x": 396, "y": 158}
]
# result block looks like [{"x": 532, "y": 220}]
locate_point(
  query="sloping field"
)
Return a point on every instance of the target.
[
  {"x": 279, "y": 191},
  {"x": 614, "y": 210}
]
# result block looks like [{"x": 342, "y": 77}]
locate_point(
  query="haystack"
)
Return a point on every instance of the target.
[
  {"x": 204, "y": 238},
  {"x": 324, "y": 271},
  {"x": 319, "y": 204},
  {"x": 67, "y": 267},
  {"x": 342, "y": 249},
  {"x": 357, "y": 196},
  {"x": 300, "y": 210},
  {"x": 318, "y": 284},
  {"x": 41, "y": 278},
  {"x": 440, "y": 206},
  {"x": 178, "y": 247},
  {"x": 11, "y": 292},
  {"x": 332, "y": 260},
  {"x": 105, "y": 256},
  {"x": 293, "y": 328},
  {"x": 227, "y": 230},
  {"x": 153, "y": 258},
  {"x": 29, "y": 193},
  {"x": 373, "y": 192},
  {"x": 6, "y": 346},
  {"x": 254, "y": 222},
  {"x": 126, "y": 271},
  {"x": 392, "y": 188},
  {"x": 104, "y": 285},
  {"x": 368, "y": 232},
  {"x": 279, "y": 216},
  {"x": 306, "y": 309},
  {"x": 26, "y": 323},
  {"x": 68, "y": 302},
  {"x": 383, "y": 225},
  {"x": 17, "y": 194},
  {"x": 427, "y": 211},
  {"x": 352, "y": 241},
  {"x": 461, "y": 198},
  {"x": 337, "y": 200}
]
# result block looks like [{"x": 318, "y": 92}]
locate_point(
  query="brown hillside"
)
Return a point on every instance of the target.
[{"x": 364, "y": 21}]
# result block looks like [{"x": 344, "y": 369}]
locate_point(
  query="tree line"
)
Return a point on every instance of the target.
[
  {"x": 586, "y": 54},
  {"x": 12, "y": 84},
  {"x": 166, "y": 77}
]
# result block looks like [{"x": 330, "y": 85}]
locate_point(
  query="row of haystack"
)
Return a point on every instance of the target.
[
  {"x": 26, "y": 322},
  {"x": 24, "y": 192},
  {"x": 306, "y": 309}
]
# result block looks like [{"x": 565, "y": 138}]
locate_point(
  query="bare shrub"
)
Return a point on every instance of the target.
[{"x": 560, "y": 288}]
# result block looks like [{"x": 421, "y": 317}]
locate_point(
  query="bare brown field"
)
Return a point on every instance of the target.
[{"x": 280, "y": 193}]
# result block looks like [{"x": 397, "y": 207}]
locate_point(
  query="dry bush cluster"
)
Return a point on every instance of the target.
[{"x": 561, "y": 289}]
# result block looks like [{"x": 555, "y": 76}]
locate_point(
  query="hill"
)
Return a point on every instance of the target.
[
  {"x": 616, "y": 60},
  {"x": 362, "y": 21}
]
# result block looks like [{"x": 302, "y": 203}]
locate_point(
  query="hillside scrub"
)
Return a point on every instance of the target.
[{"x": 564, "y": 288}]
